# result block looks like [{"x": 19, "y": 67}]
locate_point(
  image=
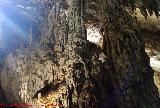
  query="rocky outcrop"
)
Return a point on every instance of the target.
[
  {"x": 2, "y": 58},
  {"x": 150, "y": 28},
  {"x": 2, "y": 95},
  {"x": 121, "y": 79},
  {"x": 26, "y": 72},
  {"x": 130, "y": 69},
  {"x": 80, "y": 74}
]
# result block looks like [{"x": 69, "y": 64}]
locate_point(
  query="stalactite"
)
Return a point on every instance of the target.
[
  {"x": 80, "y": 74},
  {"x": 134, "y": 53}
]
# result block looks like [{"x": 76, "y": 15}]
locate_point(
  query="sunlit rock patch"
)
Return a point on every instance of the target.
[
  {"x": 55, "y": 98},
  {"x": 94, "y": 36},
  {"x": 155, "y": 63}
]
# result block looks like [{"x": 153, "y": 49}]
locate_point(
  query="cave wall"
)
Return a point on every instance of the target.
[{"x": 71, "y": 71}]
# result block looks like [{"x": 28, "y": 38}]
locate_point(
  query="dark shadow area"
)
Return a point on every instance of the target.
[{"x": 48, "y": 88}]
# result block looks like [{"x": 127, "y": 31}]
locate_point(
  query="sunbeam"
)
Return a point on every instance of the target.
[
  {"x": 11, "y": 24},
  {"x": 13, "y": 27}
]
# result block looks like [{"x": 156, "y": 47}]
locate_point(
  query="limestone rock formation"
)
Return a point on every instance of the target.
[
  {"x": 2, "y": 95},
  {"x": 76, "y": 73},
  {"x": 130, "y": 63},
  {"x": 25, "y": 73}
]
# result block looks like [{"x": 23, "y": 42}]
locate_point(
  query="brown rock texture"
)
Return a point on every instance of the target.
[
  {"x": 131, "y": 72},
  {"x": 25, "y": 73},
  {"x": 67, "y": 69}
]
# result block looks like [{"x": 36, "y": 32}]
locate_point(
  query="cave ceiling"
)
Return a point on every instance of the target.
[{"x": 32, "y": 11}]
